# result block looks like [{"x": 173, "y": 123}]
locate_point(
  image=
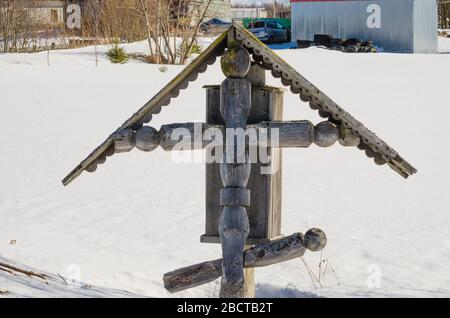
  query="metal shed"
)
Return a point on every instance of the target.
[{"x": 403, "y": 26}]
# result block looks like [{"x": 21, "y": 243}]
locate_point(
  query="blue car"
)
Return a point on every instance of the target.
[{"x": 214, "y": 25}]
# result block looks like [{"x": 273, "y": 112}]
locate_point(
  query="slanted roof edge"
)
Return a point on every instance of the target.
[{"x": 162, "y": 98}]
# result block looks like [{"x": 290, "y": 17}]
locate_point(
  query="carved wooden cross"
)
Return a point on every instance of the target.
[
  {"x": 235, "y": 104},
  {"x": 248, "y": 229}
]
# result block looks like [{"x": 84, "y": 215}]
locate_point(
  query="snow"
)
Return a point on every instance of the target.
[
  {"x": 141, "y": 215},
  {"x": 22, "y": 281}
]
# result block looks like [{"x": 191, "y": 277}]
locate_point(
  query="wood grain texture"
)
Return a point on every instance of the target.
[
  {"x": 265, "y": 210},
  {"x": 326, "y": 134},
  {"x": 256, "y": 76},
  {"x": 288, "y": 134},
  {"x": 124, "y": 140},
  {"x": 192, "y": 276},
  {"x": 260, "y": 255},
  {"x": 147, "y": 138},
  {"x": 235, "y": 104},
  {"x": 347, "y": 138},
  {"x": 235, "y": 62}
]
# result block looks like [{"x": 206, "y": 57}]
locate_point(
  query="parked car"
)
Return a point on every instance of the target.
[
  {"x": 269, "y": 31},
  {"x": 215, "y": 25}
]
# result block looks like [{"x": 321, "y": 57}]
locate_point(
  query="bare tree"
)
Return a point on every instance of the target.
[
  {"x": 144, "y": 7},
  {"x": 170, "y": 27},
  {"x": 19, "y": 26},
  {"x": 277, "y": 9},
  {"x": 444, "y": 14}
]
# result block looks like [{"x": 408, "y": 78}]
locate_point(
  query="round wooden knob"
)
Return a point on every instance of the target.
[
  {"x": 315, "y": 240},
  {"x": 235, "y": 62},
  {"x": 124, "y": 140},
  {"x": 325, "y": 134},
  {"x": 147, "y": 138}
]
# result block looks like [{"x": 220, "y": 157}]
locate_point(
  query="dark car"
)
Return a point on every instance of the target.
[
  {"x": 269, "y": 31},
  {"x": 215, "y": 25}
]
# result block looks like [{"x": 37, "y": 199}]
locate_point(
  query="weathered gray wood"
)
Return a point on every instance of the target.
[
  {"x": 277, "y": 134},
  {"x": 347, "y": 138},
  {"x": 147, "y": 138},
  {"x": 315, "y": 240},
  {"x": 235, "y": 62},
  {"x": 277, "y": 251},
  {"x": 190, "y": 135},
  {"x": 124, "y": 140},
  {"x": 232, "y": 41},
  {"x": 192, "y": 276},
  {"x": 263, "y": 254},
  {"x": 291, "y": 133},
  {"x": 265, "y": 210},
  {"x": 256, "y": 76},
  {"x": 235, "y": 104},
  {"x": 235, "y": 196},
  {"x": 325, "y": 134}
]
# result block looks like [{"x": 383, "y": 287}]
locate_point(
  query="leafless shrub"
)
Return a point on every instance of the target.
[
  {"x": 20, "y": 28},
  {"x": 444, "y": 14},
  {"x": 172, "y": 27}
]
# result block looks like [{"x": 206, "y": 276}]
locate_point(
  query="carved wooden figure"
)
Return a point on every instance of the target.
[
  {"x": 243, "y": 205},
  {"x": 235, "y": 103}
]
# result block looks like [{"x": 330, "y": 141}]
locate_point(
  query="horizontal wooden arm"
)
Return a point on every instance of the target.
[
  {"x": 263, "y": 254},
  {"x": 192, "y": 136}
]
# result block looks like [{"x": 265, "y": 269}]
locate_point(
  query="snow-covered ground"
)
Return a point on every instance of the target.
[
  {"x": 18, "y": 280},
  {"x": 141, "y": 215}
]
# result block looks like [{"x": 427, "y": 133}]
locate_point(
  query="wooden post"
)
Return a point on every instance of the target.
[
  {"x": 235, "y": 104},
  {"x": 249, "y": 280}
]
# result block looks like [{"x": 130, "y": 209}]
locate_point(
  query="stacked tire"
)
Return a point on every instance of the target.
[
  {"x": 357, "y": 46},
  {"x": 348, "y": 46}
]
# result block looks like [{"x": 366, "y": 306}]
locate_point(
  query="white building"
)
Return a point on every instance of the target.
[
  {"x": 242, "y": 13},
  {"x": 49, "y": 12}
]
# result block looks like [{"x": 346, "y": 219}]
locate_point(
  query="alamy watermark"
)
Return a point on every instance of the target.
[
  {"x": 228, "y": 145},
  {"x": 73, "y": 16}
]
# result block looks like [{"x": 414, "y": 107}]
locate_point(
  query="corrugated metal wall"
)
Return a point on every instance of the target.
[
  {"x": 425, "y": 26},
  {"x": 349, "y": 19}
]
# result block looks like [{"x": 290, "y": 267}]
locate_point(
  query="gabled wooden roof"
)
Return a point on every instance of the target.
[{"x": 268, "y": 59}]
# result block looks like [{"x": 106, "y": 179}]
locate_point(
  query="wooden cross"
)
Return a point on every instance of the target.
[
  {"x": 238, "y": 257},
  {"x": 243, "y": 208}
]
